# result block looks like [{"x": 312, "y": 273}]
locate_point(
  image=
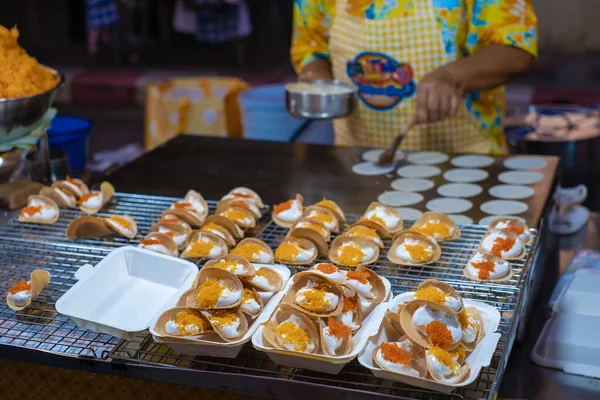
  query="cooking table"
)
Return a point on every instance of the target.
[{"x": 277, "y": 171}]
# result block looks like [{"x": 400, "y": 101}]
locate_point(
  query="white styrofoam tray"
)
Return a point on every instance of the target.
[
  {"x": 215, "y": 346},
  {"x": 480, "y": 357},
  {"x": 327, "y": 364},
  {"x": 123, "y": 293},
  {"x": 569, "y": 339}
]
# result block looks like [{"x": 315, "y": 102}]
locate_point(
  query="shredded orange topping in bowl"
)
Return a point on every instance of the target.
[
  {"x": 88, "y": 196},
  {"x": 290, "y": 332},
  {"x": 327, "y": 268},
  {"x": 30, "y": 211},
  {"x": 434, "y": 230},
  {"x": 417, "y": 252},
  {"x": 247, "y": 250},
  {"x": 19, "y": 286},
  {"x": 221, "y": 318},
  {"x": 200, "y": 248},
  {"x": 185, "y": 318},
  {"x": 351, "y": 255},
  {"x": 208, "y": 293},
  {"x": 396, "y": 354},
  {"x": 150, "y": 242},
  {"x": 360, "y": 230},
  {"x": 338, "y": 329},
  {"x": 121, "y": 221},
  {"x": 234, "y": 215},
  {"x": 432, "y": 294},
  {"x": 484, "y": 268},
  {"x": 361, "y": 276},
  {"x": 20, "y": 74},
  {"x": 287, "y": 251},
  {"x": 279, "y": 208},
  {"x": 350, "y": 304},
  {"x": 501, "y": 244},
  {"x": 439, "y": 334}
]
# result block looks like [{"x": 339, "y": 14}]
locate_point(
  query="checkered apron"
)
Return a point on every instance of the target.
[{"x": 413, "y": 39}]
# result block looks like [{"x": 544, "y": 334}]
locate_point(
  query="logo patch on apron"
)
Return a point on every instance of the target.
[{"x": 382, "y": 81}]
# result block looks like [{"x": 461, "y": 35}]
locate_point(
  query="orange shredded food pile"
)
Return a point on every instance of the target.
[
  {"x": 350, "y": 304},
  {"x": 248, "y": 295},
  {"x": 230, "y": 266},
  {"x": 234, "y": 215},
  {"x": 211, "y": 227},
  {"x": 396, "y": 354},
  {"x": 360, "y": 230},
  {"x": 185, "y": 318},
  {"x": 181, "y": 205},
  {"x": 447, "y": 358},
  {"x": 314, "y": 299},
  {"x": 279, "y": 208},
  {"x": 484, "y": 268},
  {"x": 327, "y": 268},
  {"x": 432, "y": 294},
  {"x": 200, "y": 248},
  {"x": 317, "y": 228},
  {"x": 290, "y": 332},
  {"x": 264, "y": 273},
  {"x": 417, "y": 252},
  {"x": 208, "y": 293},
  {"x": 327, "y": 204},
  {"x": 375, "y": 218},
  {"x": 248, "y": 250},
  {"x": 501, "y": 245},
  {"x": 514, "y": 228},
  {"x": 223, "y": 318},
  {"x": 439, "y": 334},
  {"x": 20, "y": 74},
  {"x": 463, "y": 320},
  {"x": 31, "y": 210},
  {"x": 88, "y": 196},
  {"x": 361, "y": 276},
  {"x": 287, "y": 251},
  {"x": 351, "y": 255},
  {"x": 149, "y": 242},
  {"x": 434, "y": 229},
  {"x": 19, "y": 286},
  {"x": 119, "y": 220},
  {"x": 338, "y": 329},
  {"x": 322, "y": 217}
]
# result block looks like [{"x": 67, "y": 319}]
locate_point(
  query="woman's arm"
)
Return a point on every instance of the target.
[{"x": 310, "y": 42}]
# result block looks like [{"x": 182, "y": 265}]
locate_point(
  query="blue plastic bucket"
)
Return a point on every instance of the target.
[
  {"x": 264, "y": 114},
  {"x": 71, "y": 135}
]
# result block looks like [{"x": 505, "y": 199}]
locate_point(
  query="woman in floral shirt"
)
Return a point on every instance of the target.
[{"x": 441, "y": 62}]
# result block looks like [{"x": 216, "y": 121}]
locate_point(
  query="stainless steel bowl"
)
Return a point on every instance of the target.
[
  {"x": 317, "y": 103},
  {"x": 19, "y": 114}
]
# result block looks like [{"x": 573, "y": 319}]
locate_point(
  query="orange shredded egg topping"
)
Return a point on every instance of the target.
[
  {"x": 149, "y": 242},
  {"x": 463, "y": 319},
  {"x": 322, "y": 217},
  {"x": 448, "y": 358},
  {"x": 242, "y": 195},
  {"x": 88, "y": 196},
  {"x": 30, "y": 211},
  {"x": 290, "y": 332},
  {"x": 200, "y": 248},
  {"x": 221, "y": 318},
  {"x": 287, "y": 251},
  {"x": 484, "y": 268},
  {"x": 211, "y": 227},
  {"x": 515, "y": 228},
  {"x": 247, "y": 250},
  {"x": 121, "y": 221},
  {"x": 185, "y": 318},
  {"x": 317, "y": 228},
  {"x": 350, "y": 304},
  {"x": 351, "y": 255},
  {"x": 208, "y": 293},
  {"x": 248, "y": 295},
  {"x": 396, "y": 354},
  {"x": 360, "y": 230},
  {"x": 279, "y": 208},
  {"x": 361, "y": 276},
  {"x": 417, "y": 252},
  {"x": 439, "y": 334},
  {"x": 501, "y": 245},
  {"x": 338, "y": 329},
  {"x": 227, "y": 265},
  {"x": 234, "y": 215},
  {"x": 264, "y": 273},
  {"x": 19, "y": 286},
  {"x": 432, "y": 294},
  {"x": 327, "y": 268},
  {"x": 434, "y": 229},
  {"x": 375, "y": 218},
  {"x": 314, "y": 299},
  {"x": 181, "y": 205},
  {"x": 327, "y": 204}
]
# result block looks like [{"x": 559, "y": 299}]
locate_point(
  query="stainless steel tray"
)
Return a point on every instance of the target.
[{"x": 25, "y": 247}]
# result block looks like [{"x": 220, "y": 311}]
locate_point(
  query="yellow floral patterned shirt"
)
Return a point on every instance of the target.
[{"x": 465, "y": 26}]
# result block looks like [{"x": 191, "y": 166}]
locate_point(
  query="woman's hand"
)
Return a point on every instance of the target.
[
  {"x": 439, "y": 95},
  {"x": 315, "y": 70}
]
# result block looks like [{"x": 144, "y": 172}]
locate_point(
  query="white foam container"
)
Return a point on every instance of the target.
[
  {"x": 123, "y": 293},
  {"x": 320, "y": 363},
  {"x": 569, "y": 339},
  {"x": 479, "y": 358},
  {"x": 218, "y": 347}
]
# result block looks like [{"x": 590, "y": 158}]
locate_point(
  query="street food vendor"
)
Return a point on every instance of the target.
[{"x": 441, "y": 62}]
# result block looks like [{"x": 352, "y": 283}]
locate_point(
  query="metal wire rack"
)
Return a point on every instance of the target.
[{"x": 27, "y": 246}]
